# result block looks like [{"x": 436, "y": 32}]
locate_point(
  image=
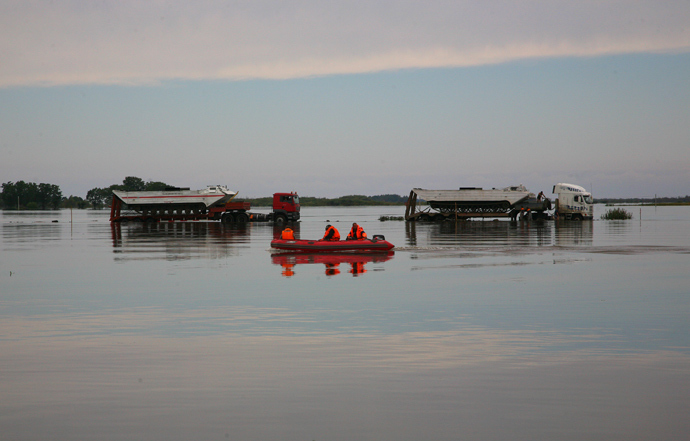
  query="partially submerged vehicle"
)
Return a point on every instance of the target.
[
  {"x": 573, "y": 202},
  {"x": 213, "y": 203}
]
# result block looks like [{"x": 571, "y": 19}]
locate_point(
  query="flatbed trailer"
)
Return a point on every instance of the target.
[{"x": 285, "y": 209}]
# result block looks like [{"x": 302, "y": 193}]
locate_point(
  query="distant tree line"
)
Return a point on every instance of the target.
[
  {"x": 613, "y": 201},
  {"x": 29, "y": 195},
  {"x": 100, "y": 197}
]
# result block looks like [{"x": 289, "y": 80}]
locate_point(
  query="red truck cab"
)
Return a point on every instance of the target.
[{"x": 285, "y": 207}]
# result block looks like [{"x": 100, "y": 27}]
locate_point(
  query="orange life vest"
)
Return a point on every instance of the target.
[
  {"x": 331, "y": 234},
  {"x": 357, "y": 233},
  {"x": 287, "y": 234}
]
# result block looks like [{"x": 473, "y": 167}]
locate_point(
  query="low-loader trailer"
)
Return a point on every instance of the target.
[
  {"x": 573, "y": 203},
  {"x": 183, "y": 205}
]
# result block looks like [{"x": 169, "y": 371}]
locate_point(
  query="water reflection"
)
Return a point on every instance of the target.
[
  {"x": 175, "y": 240},
  {"x": 31, "y": 232},
  {"x": 356, "y": 261},
  {"x": 521, "y": 234},
  {"x": 573, "y": 234},
  {"x": 495, "y": 339}
]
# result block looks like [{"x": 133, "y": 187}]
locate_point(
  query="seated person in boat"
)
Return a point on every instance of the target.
[
  {"x": 331, "y": 233},
  {"x": 356, "y": 233},
  {"x": 287, "y": 234}
]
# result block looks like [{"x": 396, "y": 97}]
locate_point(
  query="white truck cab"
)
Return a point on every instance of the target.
[{"x": 573, "y": 202}]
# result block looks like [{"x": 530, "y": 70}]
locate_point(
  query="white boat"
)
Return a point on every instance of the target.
[{"x": 211, "y": 195}]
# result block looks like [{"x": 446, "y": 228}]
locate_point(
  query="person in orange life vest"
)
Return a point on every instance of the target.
[
  {"x": 287, "y": 234},
  {"x": 331, "y": 233},
  {"x": 356, "y": 233}
]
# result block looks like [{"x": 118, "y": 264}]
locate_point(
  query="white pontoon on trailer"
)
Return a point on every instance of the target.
[{"x": 148, "y": 200}]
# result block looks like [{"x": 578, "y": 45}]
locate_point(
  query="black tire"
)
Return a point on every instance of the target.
[
  {"x": 227, "y": 218},
  {"x": 577, "y": 217},
  {"x": 281, "y": 219},
  {"x": 241, "y": 218}
]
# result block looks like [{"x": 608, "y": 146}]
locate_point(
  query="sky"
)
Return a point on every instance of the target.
[{"x": 347, "y": 97}]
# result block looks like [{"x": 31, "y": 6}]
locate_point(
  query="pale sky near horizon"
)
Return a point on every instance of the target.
[{"x": 347, "y": 97}]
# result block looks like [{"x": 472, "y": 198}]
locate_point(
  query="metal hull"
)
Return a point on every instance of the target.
[
  {"x": 474, "y": 197},
  {"x": 468, "y": 202},
  {"x": 212, "y": 195}
]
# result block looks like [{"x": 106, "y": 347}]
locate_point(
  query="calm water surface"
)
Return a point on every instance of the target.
[{"x": 468, "y": 331}]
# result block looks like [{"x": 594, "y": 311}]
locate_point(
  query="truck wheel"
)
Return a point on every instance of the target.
[
  {"x": 281, "y": 219},
  {"x": 227, "y": 218},
  {"x": 577, "y": 217},
  {"x": 241, "y": 218}
]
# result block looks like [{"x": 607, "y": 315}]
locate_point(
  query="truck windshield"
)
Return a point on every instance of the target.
[
  {"x": 588, "y": 199},
  {"x": 296, "y": 199}
]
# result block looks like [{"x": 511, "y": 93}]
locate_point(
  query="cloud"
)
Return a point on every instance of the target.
[{"x": 134, "y": 42}]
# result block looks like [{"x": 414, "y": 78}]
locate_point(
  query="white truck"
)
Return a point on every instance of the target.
[{"x": 573, "y": 202}]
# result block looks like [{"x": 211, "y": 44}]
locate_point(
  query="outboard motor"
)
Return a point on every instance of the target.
[{"x": 378, "y": 237}]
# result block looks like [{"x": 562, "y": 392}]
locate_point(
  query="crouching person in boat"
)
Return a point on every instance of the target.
[
  {"x": 287, "y": 234},
  {"x": 331, "y": 233},
  {"x": 356, "y": 233}
]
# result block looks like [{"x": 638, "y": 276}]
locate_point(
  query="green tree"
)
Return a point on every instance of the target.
[
  {"x": 27, "y": 192},
  {"x": 21, "y": 194},
  {"x": 132, "y": 183},
  {"x": 48, "y": 196},
  {"x": 74, "y": 202},
  {"x": 156, "y": 186},
  {"x": 9, "y": 195},
  {"x": 98, "y": 197}
]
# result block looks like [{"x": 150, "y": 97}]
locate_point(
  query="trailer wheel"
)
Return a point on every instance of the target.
[
  {"x": 281, "y": 219},
  {"x": 241, "y": 218}
]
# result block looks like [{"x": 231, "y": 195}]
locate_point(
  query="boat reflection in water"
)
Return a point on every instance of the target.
[{"x": 356, "y": 262}]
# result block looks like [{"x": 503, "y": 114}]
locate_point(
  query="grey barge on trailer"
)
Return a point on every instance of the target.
[{"x": 469, "y": 202}]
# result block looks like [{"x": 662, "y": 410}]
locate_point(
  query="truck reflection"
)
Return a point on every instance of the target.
[
  {"x": 177, "y": 240},
  {"x": 356, "y": 262},
  {"x": 481, "y": 234}
]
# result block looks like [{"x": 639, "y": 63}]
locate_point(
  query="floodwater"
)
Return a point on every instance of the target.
[{"x": 468, "y": 331}]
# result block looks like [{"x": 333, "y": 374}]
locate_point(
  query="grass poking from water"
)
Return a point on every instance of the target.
[{"x": 616, "y": 214}]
